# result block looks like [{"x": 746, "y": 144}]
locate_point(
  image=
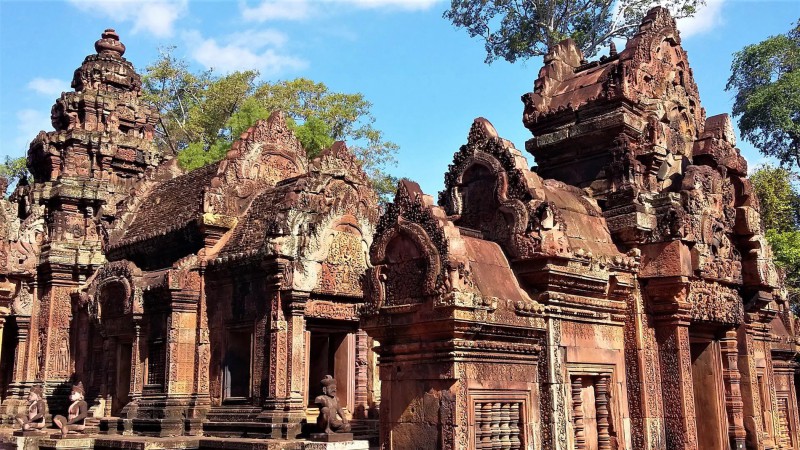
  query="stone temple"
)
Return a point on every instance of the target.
[{"x": 619, "y": 295}]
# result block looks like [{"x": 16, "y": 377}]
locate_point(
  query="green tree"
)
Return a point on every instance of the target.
[
  {"x": 13, "y": 170},
  {"x": 779, "y": 197},
  {"x": 521, "y": 29},
  {"x": 766, "y": 79},
  {"x": 203, "y": 113},
  {"x": 347, "y": 116},
  {"x": 175, "y": 92},
  {"x": 786, "y": 249}
]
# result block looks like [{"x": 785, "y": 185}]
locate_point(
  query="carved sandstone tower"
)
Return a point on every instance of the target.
[
  {"x": 710, "y": 337},
  {"x": 101, "y": 147}
]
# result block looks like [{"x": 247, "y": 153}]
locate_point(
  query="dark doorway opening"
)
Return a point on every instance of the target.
[
  {"x": 121, "y": 395},
  {"x": 331, "y": 351},
  {"x": 9, "y": 349},
  {"x": 237, "y": 365},
  {"x": 709, "y": 395}
]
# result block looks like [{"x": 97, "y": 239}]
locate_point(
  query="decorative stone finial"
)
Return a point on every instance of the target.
[
  {"x": 109, "y": 43},
  {"x": 612, "y": 50}
]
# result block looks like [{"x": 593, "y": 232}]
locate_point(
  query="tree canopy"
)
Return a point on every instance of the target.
[
  {"x": 766, "y": 79},
  {"x": 13, "y": 170},
  {"x": 203, "y": 113},
  {"x": 521, "y": 29},
  {"x": 779, "y": 197}
]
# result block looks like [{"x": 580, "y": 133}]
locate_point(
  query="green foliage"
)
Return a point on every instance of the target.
[
  {"x": 514, "y": 29},
  {"x": 766, "y": 79},
  {"x": 197, "y": 155},
  {"x": 248, "y": 113},
  {"x": 780, "y": 212},
  {"x": 779, "y": 199},
  {"x": 13, "y": 170},
  {"x": 203, "y": 113},
  {"x": 786, "y": 249},
  {"x": 314, "y": 134},
  {"x": 175, "y": 92}
]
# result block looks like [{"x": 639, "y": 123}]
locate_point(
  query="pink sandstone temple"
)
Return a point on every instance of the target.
[{"x": 618, "y": 296}]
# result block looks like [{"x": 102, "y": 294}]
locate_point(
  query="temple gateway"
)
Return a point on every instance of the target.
[{"x": 620, "y": 295}]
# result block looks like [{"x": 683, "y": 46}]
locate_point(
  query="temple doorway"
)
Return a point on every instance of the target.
[
  {"x": 237, "y": 366},
  {"x": 122, "y": 388},
  {"x": 331, "y": 351},
  {"x": 709, "y": 395},
  {"x": 7, "y": 355}
]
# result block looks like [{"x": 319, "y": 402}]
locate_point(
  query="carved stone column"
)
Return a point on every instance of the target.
[
  {"x": 283, "y": 406},
  {"x": 137, "y": 366},
  {"x": 577, "y": 413},
  {"x": 733, "y": 398},
  {"x": 55, "y": 324},
  {"x": 201, "y": 402},
  {"x": 756, "y": 436},
  {"x": 172, "y": 411},
  {"x": 296, "y": 369},
  {"x": 601, "y": 405},
  {"x": 667, "y": 298},
  {"x": 361, "y": 401}
]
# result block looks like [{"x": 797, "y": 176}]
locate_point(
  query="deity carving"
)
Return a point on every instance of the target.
[
  {"x": 331, "y": 417},
  {"x": 76, "y": 413},
  {"x": 33, "y": 418}
]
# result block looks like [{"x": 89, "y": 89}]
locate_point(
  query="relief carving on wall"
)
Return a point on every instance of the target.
[
  {"x": 344, "y": 266},
  {"x": 712, "y": 302}
]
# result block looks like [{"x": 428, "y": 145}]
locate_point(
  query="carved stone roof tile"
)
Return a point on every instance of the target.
[
  {"x": 491, "y": 272},
  {"x": 258, "y": 222},
  {"x": 170, "y": 205}
]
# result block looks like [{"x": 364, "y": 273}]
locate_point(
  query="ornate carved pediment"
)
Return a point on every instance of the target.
[
  {"x": 488, "y": 188},
  {"x": 409, "y": 252},
  {"x": 339, "y": 161},
  {"x": 115, "y": 289},
  {"x": 486, "y": 150},
  {"x": 712, "y": 302},
  {"x": 265, "y": 154}
]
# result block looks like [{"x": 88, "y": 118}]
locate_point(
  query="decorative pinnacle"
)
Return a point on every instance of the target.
[
  {"x": 612, "y": 50},
  {"x": 109, "y": 44}
]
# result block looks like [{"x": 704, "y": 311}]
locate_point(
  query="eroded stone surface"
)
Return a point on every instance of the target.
[
  {"x": 620, "y": 296},
  {"x": 184, "y": 303}
]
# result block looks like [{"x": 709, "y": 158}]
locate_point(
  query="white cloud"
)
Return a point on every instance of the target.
[
  {"x": 408, "y": 5},
  {"x": 705, "y": 19},
  {"x": 277, "y": 10},
  {"x": 156, "y": 17},
  {"x": 259, "y": 50},
  {"x": 48, "y": 86},
  {"x": 268, "y": 10},
  {"x": 29, "y": 123}
]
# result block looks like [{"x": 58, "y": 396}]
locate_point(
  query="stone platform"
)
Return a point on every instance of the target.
[
  {"x": 347, "y": 445},
  {"x": 44, "y": 441}
]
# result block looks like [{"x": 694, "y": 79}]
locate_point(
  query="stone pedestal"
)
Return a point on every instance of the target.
[
  {"x": 331, "y": 437},
  {"x": 347, "y": 445},
  {"x": 77, "y": 443}
]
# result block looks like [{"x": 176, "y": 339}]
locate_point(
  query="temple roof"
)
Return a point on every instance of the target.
[
  {"x": 251, "y": 232},
  {"x": 170, "y": 205},
  {"x": 488, "y": 264},
  {"x": 333, "y": 185},
  {"x": 513, "y": 187},
  {"x": 652, "y": 65}
]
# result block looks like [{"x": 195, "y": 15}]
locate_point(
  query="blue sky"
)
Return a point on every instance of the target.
[{"x": 426, "y": 79}]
